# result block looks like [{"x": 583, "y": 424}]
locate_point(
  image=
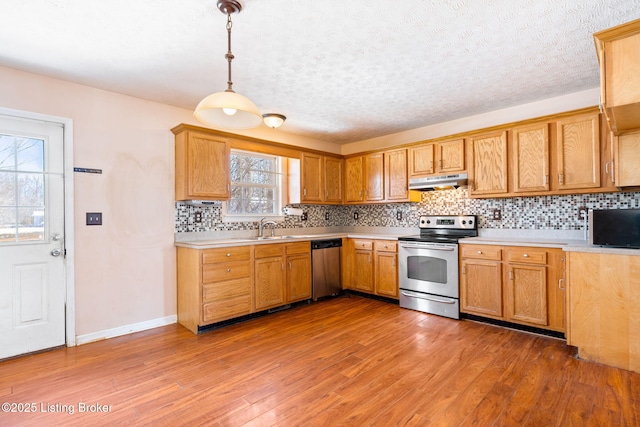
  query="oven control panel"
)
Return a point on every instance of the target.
[{"x": 453, "y": 222}]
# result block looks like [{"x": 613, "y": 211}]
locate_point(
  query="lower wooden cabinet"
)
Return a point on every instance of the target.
[
  {"x": 513, "y": 283},
  {"x": 214, "y": 285},
  {"x": 372, "y": 267},
  {"x": 282, "y": 274}
]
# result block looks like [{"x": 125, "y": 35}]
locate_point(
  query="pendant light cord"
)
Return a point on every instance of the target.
[{"x": 229, "y": 55}]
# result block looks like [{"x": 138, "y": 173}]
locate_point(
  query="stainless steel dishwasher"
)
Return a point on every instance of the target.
[{"x": 325, "y": 256}]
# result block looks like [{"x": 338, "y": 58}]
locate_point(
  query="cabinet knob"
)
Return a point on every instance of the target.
[
  {"x": 228, "y": 270},
  {"x": 228, "y": 254},
  {"x": 525, "y": 255},
  {"x": 479, "y": 252},
  {"x": 385, "y": 246}
]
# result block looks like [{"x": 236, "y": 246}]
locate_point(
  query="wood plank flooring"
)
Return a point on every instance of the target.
[{"x": 345, "y": 361}]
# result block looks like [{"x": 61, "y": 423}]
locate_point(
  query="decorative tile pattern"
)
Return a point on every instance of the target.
[{"x": 538, "y": 213}]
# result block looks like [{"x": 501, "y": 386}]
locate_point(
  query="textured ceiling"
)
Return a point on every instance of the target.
[{"x": 341, "y": 71}]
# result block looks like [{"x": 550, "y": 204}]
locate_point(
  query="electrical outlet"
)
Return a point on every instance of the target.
[
  {"x": 197, "y": 217},
  {"x": 326, "y": 216},
  {"x": 497, "y": 214},
  {"x": 94, "y": 218},
  {"x": 303, "y": 216},
  {"x": 582, "y": 212},
  {"x": 356, "y": 215},
  {"x": 399, "y": 215}
]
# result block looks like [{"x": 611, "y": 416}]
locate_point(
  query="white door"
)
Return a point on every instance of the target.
[{"x": 32, "y": 266}]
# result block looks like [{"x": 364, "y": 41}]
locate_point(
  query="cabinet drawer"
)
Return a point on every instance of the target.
[
  {"x": 236, "y": 253},
  {"x": 226, "y": 309},
  {"x": 298, "y": 248},
  {"x": 385, "y": 246},
  {"x": 363, "y": 244},
  {"x": 225, "y": 271},
  {"x": 481, "y": 252},
  {"x": 527, "y": 255},
  {"x": 223, "y": 290},
  {"x": 266, "y": 251}
]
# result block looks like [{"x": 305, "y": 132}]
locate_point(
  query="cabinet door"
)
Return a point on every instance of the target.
[
  {"x": 363, "y": 271},
  {"x": 626, "y": 149},
  {"x": 202, "y": 167},
  {"x": 298, "y": 277},
  {"x": 527, "y": 294},
  {"x": 488, "y": 168},
  {"x": 421, "y": 160},
  {"x": 481, "y": 287},
  {"x": 386, "y": 277},
  {"x": 269, "y": 283},
  {"x": 333, "y": 180},
  {"x": 578, "y": 152},
  {"x": 395, "y": 165},
  {"x": 311, "y": 177},
  {"x": 354, "y": 179},
  {"x": 374, "y": 176},
  {"x": 450, "y": 156},
  {"x": 530, "y": 158}
]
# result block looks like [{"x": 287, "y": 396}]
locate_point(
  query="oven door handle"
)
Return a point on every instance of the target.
[
  {"x": 428, "y": 298},
  {"x": 435, "y": 248}
]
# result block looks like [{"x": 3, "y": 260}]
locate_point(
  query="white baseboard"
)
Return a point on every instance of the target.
[{"x": 127, "y": 329}]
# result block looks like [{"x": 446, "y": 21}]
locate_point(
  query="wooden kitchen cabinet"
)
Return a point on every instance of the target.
[
  {"x": 626, "y": 155},
  {"x": 386, "y": 268},
  {"x": 213, "y": 285},
  {"x": 362, "y": 272},
  {"x": 618, "y": 51},
  {"x": 201, "y": 165},
  {"x": 578, "y": 152},
  {"x": 530, "y": 158},
  {"x": 603, "y": 308},
  {"x": 282, "y": 274},
  {"x": 354, "y": 179},
  {"x": 396, "y": 178},
  {"x": 374, "y": 177},
  {"x": 321, "y": 178},
  {"x": 488, "y": 164},
  {"x": 437, "y": 158},
  {"x": 481, "y": 280},
  {"x": 513, "y": 283}
]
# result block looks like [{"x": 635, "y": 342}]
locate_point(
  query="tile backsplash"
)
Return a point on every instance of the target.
[{"x": 539, "y": 212}]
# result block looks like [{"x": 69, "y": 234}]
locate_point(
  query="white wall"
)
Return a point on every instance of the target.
[{"x": 125, "y": 270}]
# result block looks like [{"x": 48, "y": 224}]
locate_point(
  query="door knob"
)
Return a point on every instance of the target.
[{"x": 56, "y": 252}]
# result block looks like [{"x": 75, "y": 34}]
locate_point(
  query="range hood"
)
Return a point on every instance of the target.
[{"x": 441, "y": 182}]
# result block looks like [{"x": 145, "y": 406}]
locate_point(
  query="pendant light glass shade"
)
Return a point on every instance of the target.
[{"x": 217, "y": 110}]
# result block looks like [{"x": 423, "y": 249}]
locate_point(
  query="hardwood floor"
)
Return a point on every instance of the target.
[{"x": 345, "y": 361}]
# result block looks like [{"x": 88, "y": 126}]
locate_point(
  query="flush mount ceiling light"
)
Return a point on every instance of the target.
[
  {"x": 228, "y": 109},
  {"x": 273, "y": 120}
]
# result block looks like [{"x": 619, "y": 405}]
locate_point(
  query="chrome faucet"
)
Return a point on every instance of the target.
[{"x": 263, "y": 223}]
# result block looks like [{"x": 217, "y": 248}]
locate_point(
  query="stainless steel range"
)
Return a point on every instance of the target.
[{"x": 428, "y": 270}]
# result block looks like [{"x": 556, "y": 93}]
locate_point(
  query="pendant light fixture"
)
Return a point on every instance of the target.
[{"x": 228, "y": 109}]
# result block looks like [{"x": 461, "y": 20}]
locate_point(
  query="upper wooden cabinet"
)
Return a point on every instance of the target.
[
  {"x": 530, "y": 158},
  {"x": 618, "y": 50},
  {"x": 488, "y": 163},
  {"x": 321, "y": 178},
  {"x": 354, "y": 179},
  {"x": 626, "y": 154},
  {"x": 364, "y": 178},
  {"x": 436, "y": 158},
  {"x": 395, "y": 175},
  {"x": 202, "y": 165},
  {"x": 578, "y": 152}
]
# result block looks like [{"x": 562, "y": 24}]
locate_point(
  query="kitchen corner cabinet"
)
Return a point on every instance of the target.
[
  {"x": 282, "y": 274},
  {"x": 321, "y": 179},
  {"x": 530, "y": 158},
  {"x": 372, "y": 267},
  {"x": 488, "y": 164},
  {"x": 213, "y": 285},
  {"x": 626, "y": 154},
  {"x": 512, "y": 283},
  {"x": 618, "y": 51},
  {"x": 436, "y": 158},
  {"x": 201, "y": 165},
  {"x": 578, "y": 152}
]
